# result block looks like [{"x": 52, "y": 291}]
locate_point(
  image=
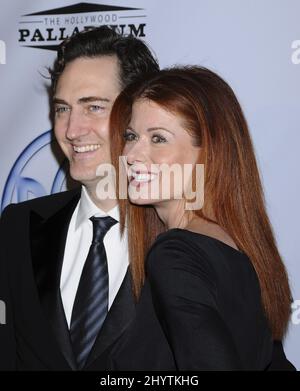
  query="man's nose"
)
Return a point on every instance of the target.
[{"x": 77, "y": 126}]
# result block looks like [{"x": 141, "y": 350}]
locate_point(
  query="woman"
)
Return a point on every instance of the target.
[{"x": 219, "y": 287}]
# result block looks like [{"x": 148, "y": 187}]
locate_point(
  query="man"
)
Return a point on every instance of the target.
[
  {"x": 54, "y": 233},
  {"x": 55, "y": 318}
]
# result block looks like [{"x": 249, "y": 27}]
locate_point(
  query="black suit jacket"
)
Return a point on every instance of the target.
[{"x": 36, "y": 336}]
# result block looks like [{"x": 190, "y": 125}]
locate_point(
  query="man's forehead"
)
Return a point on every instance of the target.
[
  {"x": 90, "y": 77},
  {"x": 96, "y": 65}
]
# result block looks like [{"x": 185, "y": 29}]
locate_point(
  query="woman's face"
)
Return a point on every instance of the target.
[{"x": 160, "y": 155}]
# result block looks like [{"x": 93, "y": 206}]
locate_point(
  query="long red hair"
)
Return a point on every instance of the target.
[{"x": 234, "y": 196}]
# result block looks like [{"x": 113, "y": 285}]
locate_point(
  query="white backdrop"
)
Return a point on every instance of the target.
[{"x": 253, "y": 44}]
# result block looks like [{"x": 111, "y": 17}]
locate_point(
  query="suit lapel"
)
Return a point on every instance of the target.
[
  {"x": 118, "y": 319},
  {"x": 48, "y": 238}
]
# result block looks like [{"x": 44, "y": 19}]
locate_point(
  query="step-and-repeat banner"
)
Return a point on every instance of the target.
[{"x": 253, "y": 44}]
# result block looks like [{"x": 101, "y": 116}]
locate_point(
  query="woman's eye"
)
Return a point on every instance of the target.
[
  {"x": 128, "y": 136},
  {"x": 157, "y": 139}
]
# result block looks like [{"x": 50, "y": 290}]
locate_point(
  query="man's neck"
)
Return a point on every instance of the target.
[{"x": 104, "y": 204}]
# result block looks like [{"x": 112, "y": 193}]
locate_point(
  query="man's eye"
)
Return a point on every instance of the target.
[
  {"x": 129, "y": 136},
  {"x": 61, "y": 109},
  {"x": 96, "y": 108},
  {"x": 157, "y": 139}
]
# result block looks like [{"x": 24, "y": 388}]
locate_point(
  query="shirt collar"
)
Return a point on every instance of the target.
[{"x": 87, "y": 209}]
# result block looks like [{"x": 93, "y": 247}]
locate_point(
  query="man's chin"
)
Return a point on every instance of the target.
[{"x": 84, "y": 178}]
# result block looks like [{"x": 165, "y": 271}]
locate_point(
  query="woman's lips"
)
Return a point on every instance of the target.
[{"x": 139, "y": 178}]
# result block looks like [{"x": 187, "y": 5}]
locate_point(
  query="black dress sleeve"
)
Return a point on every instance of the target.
[
  {"x": 279, "y": 360},
  {"x": 184, "y": 294},
  {"x": 7, "y": 339}
]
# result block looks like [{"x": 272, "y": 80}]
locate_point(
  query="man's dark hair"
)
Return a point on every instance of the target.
[{"x": 134, "y": 57}]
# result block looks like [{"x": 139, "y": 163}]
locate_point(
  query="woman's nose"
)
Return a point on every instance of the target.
[{"x": 137, "y": 152}]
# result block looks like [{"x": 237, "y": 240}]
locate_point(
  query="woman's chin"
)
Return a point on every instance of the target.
[{"x": 141, "y": 201}]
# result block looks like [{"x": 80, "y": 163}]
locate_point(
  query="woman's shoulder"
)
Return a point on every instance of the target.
[
  {"x": 185, "y": 259},
  {"x": 183, "y": 247},
  {"x": 186, "y": 240},
  {"x": 179, "y": 248},
  {"x": 174, "y": 264}
]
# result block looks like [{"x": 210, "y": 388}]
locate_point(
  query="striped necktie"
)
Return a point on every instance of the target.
[{"x": 91, "y": 302}]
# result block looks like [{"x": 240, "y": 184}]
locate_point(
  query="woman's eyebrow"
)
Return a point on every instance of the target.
[{"x": 152, "y": 129}]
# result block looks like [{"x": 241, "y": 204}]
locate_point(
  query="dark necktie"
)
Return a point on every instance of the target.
[{"x": 91, "y": 302}]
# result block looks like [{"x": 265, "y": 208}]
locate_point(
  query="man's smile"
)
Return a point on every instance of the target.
[{"x": 86, "y": 148}]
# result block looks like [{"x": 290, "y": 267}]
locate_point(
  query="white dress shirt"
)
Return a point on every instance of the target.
[{"x": 78, "y": 242}]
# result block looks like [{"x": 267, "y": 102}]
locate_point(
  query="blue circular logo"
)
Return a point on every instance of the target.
[{"x": 19, "y": 186}]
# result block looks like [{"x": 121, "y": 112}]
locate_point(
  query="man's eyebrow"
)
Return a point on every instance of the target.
[
  {"x": 59, "y": 101},
  {"x": 85, "y": 99},
  {"x": 88, "y": 99}
]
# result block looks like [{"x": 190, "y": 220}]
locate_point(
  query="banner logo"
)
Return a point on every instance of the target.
[
  {"x": 47, "y": 29},
  {"x": 26, "y": 180}
]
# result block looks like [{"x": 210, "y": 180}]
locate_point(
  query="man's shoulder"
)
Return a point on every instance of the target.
[{"x": 43, "y": 204}]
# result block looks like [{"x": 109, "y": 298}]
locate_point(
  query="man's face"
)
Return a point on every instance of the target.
[{"x": 85, "y": 93}]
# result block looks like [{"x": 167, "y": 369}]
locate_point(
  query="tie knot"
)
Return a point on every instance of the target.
[{"x": 101, "y": 225}]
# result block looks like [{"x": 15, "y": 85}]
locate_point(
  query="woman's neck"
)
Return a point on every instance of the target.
[{"x": 172, "y": 214}]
